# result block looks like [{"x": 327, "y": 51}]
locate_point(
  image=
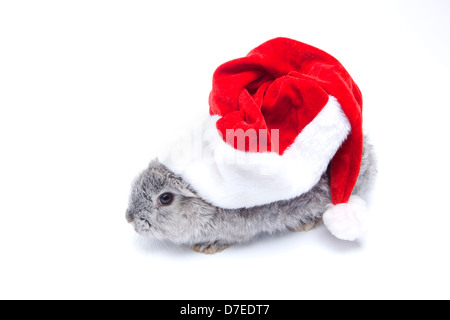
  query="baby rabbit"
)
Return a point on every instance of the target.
[{"x": 163, "y": 206}]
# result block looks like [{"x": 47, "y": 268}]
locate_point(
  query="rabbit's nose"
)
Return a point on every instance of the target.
[{"x": 129, "y": 216}]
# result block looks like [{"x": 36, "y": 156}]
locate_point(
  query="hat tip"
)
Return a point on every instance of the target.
[{"x": 347, "y": 221}]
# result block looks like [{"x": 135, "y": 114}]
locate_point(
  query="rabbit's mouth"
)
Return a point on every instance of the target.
[{"x": 142, "y": 225}]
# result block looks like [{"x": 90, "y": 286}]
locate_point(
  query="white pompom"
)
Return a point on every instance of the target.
[{"x": 346, "y": 221}]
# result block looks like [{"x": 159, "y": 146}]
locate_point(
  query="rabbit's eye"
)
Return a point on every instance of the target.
[{"x": 165, "y": 199}]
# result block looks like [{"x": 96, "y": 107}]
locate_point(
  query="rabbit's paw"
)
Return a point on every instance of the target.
[
  {"x": 210, "y": 248},
  {"x": 306, "y": 227}
]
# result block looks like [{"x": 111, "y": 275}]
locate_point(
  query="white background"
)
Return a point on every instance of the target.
[{"x": 91, "y": 90}]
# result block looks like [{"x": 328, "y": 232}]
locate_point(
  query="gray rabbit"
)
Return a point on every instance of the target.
[{"x": 163, "y": 206}]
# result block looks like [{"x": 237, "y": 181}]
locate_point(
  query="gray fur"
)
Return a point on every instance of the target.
[{"x": 191, "y": 221}]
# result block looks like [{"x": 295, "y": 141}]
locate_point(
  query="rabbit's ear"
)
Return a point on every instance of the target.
[{"x": 155, "y": 162}]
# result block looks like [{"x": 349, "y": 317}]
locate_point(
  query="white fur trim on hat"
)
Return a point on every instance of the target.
[
  {"x": 229, "y": 178},
  {"x": 347, "y": 221}
]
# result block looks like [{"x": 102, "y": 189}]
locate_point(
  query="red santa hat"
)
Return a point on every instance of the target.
[{"x": 279, "y": 117}]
